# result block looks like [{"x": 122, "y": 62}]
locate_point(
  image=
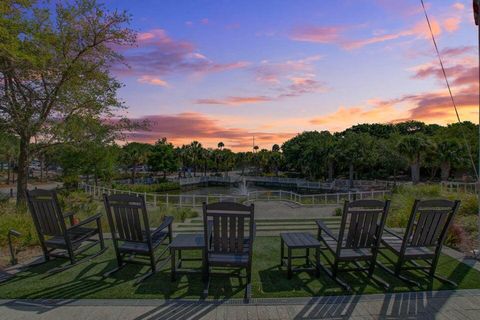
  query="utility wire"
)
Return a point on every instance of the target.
[{"x": 450, "y": 91}]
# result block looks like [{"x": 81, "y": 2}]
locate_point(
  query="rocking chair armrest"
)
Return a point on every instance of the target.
[
  {"x": 393, "y": 233},
  {"x": 323, "y": 227},
  {"x": 167, "y": 222},
  {"x": 254, "y": 231},
  {"x": 86, "y": 221}
]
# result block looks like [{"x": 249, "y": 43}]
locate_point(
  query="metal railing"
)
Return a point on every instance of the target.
[{"x": 194, "y": 200}]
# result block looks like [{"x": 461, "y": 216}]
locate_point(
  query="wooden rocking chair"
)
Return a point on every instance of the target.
[
  {"x": 58, "y": 240},
  {"x": 358, "y": 239},
  {"x": 423, "y": 239}
]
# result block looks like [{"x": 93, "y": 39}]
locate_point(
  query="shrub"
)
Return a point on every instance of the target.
[
  {"x": 402, "y": 201},
  {"x": 179, "y": 214},
  {"x": 338, "y": 212},
  {"x": 457, "y": 237},
  {"x": 19, "y": 219}
]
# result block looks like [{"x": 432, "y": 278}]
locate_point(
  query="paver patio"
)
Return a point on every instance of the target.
[{"x": 461, "y": 304}]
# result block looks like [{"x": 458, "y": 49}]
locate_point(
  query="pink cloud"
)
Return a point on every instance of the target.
[
  {"x": 184, "y": 127},
  {"x": 274, "y": 72},
  {"x": 297, "y": 87},
  {"x": 158, "y": 55},
  {"x": 317, "y": 34},
  {"x": 336, "y": 34},
  {"x": 233, "y": 101},
  {"x": 452, "y": 24},
  {"x": 152, "y": 80},
  {"x": 458, "y": 6}
]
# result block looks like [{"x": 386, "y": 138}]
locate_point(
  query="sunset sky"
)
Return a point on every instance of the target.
[{"x": 228, "y": 70}]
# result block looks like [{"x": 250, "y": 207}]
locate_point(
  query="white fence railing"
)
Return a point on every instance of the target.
[
  {"x": 194, "y": 200},
  {"x": 301, "y": 183},
  {"x": 452, "y": 186},
  {"x": 298, "y": 182}
]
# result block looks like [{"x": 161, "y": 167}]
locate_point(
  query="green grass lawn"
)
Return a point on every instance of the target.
[{"x": 269, "y": 280}]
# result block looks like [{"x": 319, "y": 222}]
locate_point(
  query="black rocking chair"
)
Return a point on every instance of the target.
[
  {"x": 56, "y": 238},
  {"x": 358, "y": 239},
  {"x": 227, "y": 242},
  {"x": 423, "y": 239},
  {"x": 131, "y": 234}
]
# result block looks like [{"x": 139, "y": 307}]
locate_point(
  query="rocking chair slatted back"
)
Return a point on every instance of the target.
[
  {"x": 362, "y": 221},
  {"x": 46, "y": 212},
  {"x": 228, "y": 227},
  {"x": 429, "y": 222},
  {"x": 127, "y": 216}
]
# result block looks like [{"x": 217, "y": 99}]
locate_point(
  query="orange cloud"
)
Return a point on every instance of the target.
[
  {"x": 185, "y": 127},
  {"x": 233, "y": 101},
  {"x": 452, "y": 24},
  {"x": 152, "y": 80},
  {"x": 335, "y": 34}
]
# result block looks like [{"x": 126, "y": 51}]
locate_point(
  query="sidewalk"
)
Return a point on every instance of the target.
[{"x": 462, "y": 304}]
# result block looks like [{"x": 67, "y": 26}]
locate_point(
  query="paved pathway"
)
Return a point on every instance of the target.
[
  {"x": 285, "y": 209},
  {"x": 462, "y": 304}
]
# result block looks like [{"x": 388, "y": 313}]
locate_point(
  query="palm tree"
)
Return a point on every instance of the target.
[
  {"x": 135, "y": 154},
  {"x": 448, "y": 153},
  {"x": 275, "y": 158},
  {"x": 355, "y": 149},
  {"x": 195, "y": 149},
  {"x": 414, "y": 146},
  {"x": 205, "y": 156}
]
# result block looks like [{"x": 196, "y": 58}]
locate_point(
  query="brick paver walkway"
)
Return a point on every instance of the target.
[{"x": 462, "y": 304}]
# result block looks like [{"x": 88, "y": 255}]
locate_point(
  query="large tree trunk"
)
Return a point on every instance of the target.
[
  {"x": 9, "y": 171},
  {"x": 330, "y": 171},
  {"x": 134, "y": 173},
  {"x": 445, "y": 171},
  {"x": 22, "y": 177},
  {"x": 350, "y": 175},
  {"x": 42, "y": 165},
  {"x": 415, "y": 171}
]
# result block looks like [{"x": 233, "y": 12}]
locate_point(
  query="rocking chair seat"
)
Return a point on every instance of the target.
[
  {"x": 346, "y": 253},
  {"x": 142, "y": 247},
  {"x": 228, "y": 259},
  {"x": 77, "y": 236},
  {"x": 395, "y": 244}
]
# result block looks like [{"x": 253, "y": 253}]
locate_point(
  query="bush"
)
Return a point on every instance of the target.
[
  {"x": 179, "y": 214},
  {"x": 464, "y": 228},
  {"x": 338, "y": 212},
  {"x": 19, "y": 219},
  {"x": 402, "y": 201},
  {"x": 78, "y": 202},
  {"x": 457, "y": 237}
]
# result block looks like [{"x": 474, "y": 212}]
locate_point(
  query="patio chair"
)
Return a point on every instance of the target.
[
  {"x": 423, "y": 239},
  {"x": 229, "y": 232},
  {"x": 358, "y": 239},
  {"x": 131, "y": 234},
  {"x": 56, "y": 238}
]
